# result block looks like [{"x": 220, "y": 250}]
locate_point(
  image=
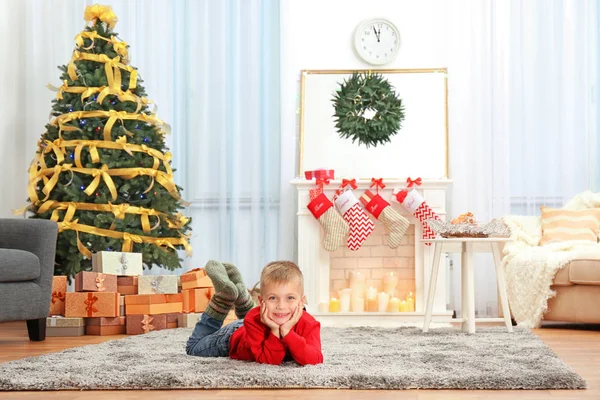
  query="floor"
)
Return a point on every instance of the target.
[{"x": 577, "y": 345}]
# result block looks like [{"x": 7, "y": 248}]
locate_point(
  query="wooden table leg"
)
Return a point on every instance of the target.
[
  {"x": 464, "y": 303},
  {"x": 432, "y": 284},
  {"x": 468, "y": 288},
  {"x": 501, "y": 285}
]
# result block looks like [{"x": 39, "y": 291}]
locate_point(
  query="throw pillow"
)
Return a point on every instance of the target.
[{"x": 560, "y": 225}]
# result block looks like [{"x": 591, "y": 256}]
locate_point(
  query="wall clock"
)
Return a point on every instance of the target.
[{"x": 377, "y": 41}]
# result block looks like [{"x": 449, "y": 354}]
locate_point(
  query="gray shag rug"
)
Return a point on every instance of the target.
[{"x": 355, "y": 358}]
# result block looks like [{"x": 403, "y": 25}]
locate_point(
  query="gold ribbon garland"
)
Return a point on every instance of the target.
[{"x": 128, "y": 238}]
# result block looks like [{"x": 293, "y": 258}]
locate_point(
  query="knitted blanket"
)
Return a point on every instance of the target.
[{"x": 530, "y": 268}]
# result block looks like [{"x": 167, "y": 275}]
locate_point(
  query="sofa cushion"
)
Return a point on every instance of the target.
[
  {"x": 579, "y": 272},
  {"x": 18, "y": 266},
  {"x": 561, "y": 225}
]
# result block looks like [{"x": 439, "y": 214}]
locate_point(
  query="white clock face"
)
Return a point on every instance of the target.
[{"x": 377, "y": 41}]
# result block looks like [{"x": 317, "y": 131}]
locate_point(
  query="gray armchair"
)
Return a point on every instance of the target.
[{"x": 27, "y": 250}]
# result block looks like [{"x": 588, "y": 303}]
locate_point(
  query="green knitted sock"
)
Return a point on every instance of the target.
[
  {"x": 244, "y": 302},
  {"x": 225, "y": 291},
  {"x": 234, "y": 273}
]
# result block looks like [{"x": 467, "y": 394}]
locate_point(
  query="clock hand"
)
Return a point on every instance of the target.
[{"x": 376, "y": 34}]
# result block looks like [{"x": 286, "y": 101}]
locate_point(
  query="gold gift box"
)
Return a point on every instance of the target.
[{"x": 92, "y": 304}]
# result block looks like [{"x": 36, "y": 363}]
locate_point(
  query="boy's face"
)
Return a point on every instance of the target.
[{"x": 281, "y": 300}]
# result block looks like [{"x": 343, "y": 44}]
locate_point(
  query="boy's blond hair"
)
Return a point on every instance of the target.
[{"x": 279, "y": 272}]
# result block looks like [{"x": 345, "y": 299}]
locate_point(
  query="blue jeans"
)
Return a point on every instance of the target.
[{"x": 209, "y": 339}]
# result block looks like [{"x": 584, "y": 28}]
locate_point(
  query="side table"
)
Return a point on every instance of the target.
[{"x": 468, "y": 247}]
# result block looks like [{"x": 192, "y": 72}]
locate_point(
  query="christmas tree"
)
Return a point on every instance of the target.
[{"x": 102, "y": 170}]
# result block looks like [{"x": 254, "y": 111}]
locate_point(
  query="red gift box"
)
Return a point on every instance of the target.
[{"x": 319, "y": 174}]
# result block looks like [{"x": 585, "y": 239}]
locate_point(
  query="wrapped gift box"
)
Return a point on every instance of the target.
[
  {"x": 121, "y": 305},
  {"x": 196, "y": 278},
  {"x": 138, "y": 324},
  {"x": 161, "y": 284},
  {"x": 127, "y": 284},
  {"x": 105, "y": 326},
  {"x": 92, "y": 304},
  {"x": 172, "y": 320},
  {"x": 59, "y": 290},
  {"x": 61, "y": 326},
  {"x": 86, "y": 281},
  {"x": 153, "y": 304},
  {"x": 117, "y": 263},
  {"x": 188, "y": 320},
  {"x": 196, "y": 300}
]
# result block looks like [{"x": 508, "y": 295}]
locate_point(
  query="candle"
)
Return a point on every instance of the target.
[
  {"x": 334, "y": 305},
  {"x": 324, "y": 306},
  {"x": 358, "y": 305},
  {"x": 345, "y": 299},
  {"x": 410, "y": 302},
  {"x": 357, "y": 284},
  {"x": 394, "y": 305},
  {"x": 403, "y": 306},
  {"x": 382, "y": 301},
  {"x": 371, "y": 299},
  {"x": 390, "y": 281}
]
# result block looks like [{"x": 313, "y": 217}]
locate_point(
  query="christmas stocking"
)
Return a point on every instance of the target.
[
  {"x": 335, "y": 227},
  {"x": 383, "y": 211},
  {"x": 358, "y": 220},
  {"x": 416, "y": 204}
]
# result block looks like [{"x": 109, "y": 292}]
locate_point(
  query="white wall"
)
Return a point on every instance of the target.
[{"x": 318, "y": 34}]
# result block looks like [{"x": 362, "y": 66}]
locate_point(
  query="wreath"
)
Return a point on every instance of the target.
[{"x": 367, "y": 109}]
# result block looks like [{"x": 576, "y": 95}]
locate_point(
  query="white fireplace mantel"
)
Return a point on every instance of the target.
[{"x": 314, "y": 260}]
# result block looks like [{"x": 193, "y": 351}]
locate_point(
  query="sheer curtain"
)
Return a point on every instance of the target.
[
  {"x": 523, "y": 77},
  {"x": 212, "y": 67}
]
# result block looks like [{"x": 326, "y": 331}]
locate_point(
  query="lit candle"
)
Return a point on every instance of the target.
[
  {"x": 410, "y": 302},
  {"x": 345, "y": 299},
  {"x": 357, "y": 284},
  {"x": 372, "y": 299},
  {"x": 394, "y": 305},
  {"x": 390, "y": 281},
  {"x": 403, "y": 306},
  {"x": 334, "y": 305},
  {"x": 324, "y": 306},
  {"x": 358, "y": 305},
  {"x": 382, "y": 301}
]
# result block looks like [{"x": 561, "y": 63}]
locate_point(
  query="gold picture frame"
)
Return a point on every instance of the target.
[{"x": 315, "y": 87}]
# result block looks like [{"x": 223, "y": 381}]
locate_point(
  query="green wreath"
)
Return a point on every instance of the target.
[{"x": 367, "y": 109}]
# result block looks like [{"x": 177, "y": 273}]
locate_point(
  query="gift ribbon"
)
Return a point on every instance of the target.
[
  {"x": 377, "y": 183},
  {"x": 412, "y": 182},
  {"x": 90, "y": 304},
  {"x": 346, "y": 182},
  {"x": 112, "y": 68},
  {"x": 155, "y": 284},
  {"x": 100, "y": 282},
  {"x": 103, "y": 13},
  {"x": 57, "y": 296},
  {"x": 146, "y": 323}
]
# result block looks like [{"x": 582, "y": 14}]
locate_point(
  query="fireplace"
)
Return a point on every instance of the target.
[{"x": 326, "y": 272}]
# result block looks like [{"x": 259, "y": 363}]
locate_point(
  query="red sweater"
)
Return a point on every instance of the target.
[{"x": 255, "y": 342}]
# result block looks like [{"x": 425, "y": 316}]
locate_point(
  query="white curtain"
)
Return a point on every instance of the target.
[
  {"x": 212, "y": 67},
  {"x": 523, "y": 80}
]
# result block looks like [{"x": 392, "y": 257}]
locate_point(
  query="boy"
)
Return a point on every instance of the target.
[{"x": 276, "y": 331}]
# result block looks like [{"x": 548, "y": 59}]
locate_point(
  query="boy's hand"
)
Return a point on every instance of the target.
[
  {"x": 286, "y": 327},
  {"x": 264, "y": 318}
]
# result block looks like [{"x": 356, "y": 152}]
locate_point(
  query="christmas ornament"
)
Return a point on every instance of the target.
[
  {"x": 367, "y": 109},
  {"x": 396, "y": 224},
  {"x": 413, "y": 202},
  {"x": 358, "y": 221}
]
